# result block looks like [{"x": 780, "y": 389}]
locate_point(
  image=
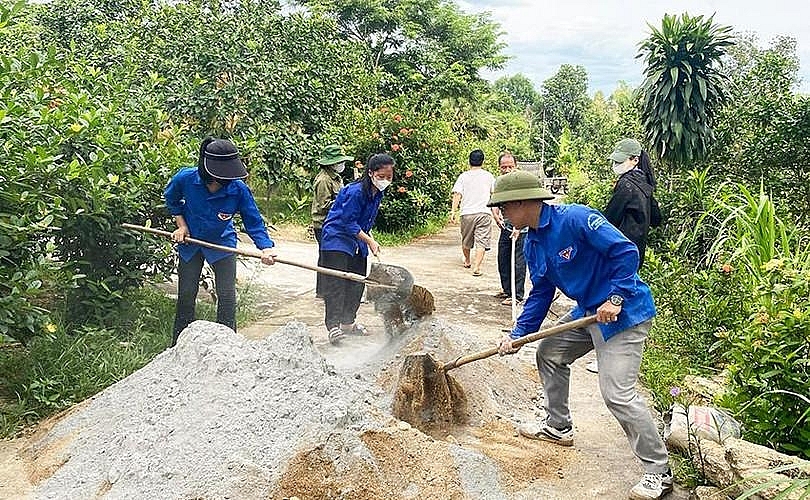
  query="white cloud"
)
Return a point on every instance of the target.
[{"x": 603, "y": 35}]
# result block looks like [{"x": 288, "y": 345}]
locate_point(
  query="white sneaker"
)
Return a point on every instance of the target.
[
  {"x": 545, "y": 432},
  {"x": 652, "y": 486},
  {"x": 592, "y": 367}
]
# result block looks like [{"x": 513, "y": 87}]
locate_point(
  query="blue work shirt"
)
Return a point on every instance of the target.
[
  {"x": 210, "y": 215},
  {"x": 575, "y": 249},
  {"x": 354, "y": 210}
]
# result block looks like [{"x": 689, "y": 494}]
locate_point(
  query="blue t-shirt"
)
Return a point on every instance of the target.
[
  {"x": 576, "y": 249},
  {"x": 210, "y": 215},
  {"x": 354, "y": 209}
]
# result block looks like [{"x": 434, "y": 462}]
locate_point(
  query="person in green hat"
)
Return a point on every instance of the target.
[
  {"x": 630, "y": 208},
  {"x": 326, "y": 186},
  {"x": 574, "y": 248}
]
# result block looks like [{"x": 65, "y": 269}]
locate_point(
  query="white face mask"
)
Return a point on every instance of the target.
[
  {"x": 622, "y": 168},
  {"x": 380, "y": 184},
  {"x": 339, "y": 167}
]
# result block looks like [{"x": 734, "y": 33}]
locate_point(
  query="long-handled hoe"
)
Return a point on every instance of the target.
[
  {"x": 390, "y": 287},
  {"x": 428, "y": 398}
]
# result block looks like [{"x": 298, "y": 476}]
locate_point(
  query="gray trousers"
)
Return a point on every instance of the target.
[{"x": 619, "y": 360}]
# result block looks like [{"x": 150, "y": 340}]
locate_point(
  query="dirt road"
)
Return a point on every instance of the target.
[
  {"x": 603, "y": 465},
  {"x": 482, "y": 459}
]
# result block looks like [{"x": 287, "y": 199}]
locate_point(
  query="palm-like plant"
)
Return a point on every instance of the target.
[{"x": 683, "y": 87}]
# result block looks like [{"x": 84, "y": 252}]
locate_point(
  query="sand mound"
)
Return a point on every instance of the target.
[{"x": 220, "y": 416}]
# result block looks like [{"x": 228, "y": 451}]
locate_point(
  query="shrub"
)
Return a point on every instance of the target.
[
  {"x": 81, "y": 156},
  {"x": 740, "y": 304},
  {"x": 770, "y": 361},
  {"x": 428, "y": 161}
]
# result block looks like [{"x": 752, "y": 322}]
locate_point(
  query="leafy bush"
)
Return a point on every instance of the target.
[
  {"x": 741, "y": 305},
  {"x": 769, "y": 354},
  {"x": 427, "y": 156},
  {"x": 81, "y": 158},
  {"x": 770, "y": 361}
]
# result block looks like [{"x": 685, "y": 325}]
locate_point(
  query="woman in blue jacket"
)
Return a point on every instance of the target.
[
  {"x": 203, "y": 201},
  {"x": 346, "y": 242}
]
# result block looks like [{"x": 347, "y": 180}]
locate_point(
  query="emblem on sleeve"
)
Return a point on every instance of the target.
[
  {"x": 565, "y": 253},
  {"x": 224, "y": 216},
  {"x": 595, "y": 221}
]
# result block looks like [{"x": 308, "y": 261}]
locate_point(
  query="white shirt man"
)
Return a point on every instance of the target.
[{"x": 471, "y": 194}]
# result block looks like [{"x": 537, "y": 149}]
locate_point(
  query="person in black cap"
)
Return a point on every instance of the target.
[{"x": 203, "y": 201}]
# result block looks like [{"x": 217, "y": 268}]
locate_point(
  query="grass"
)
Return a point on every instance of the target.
[
  {"x": 432, "y": 226},
  {"x": 59, "y": 370}
]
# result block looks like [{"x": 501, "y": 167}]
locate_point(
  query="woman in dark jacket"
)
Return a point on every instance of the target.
[{"x": 630, "y": 207}]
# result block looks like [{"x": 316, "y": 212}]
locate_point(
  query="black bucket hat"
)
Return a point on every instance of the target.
[{"x": 221, "y": 161}]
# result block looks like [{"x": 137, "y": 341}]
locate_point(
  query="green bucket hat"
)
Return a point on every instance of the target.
[
  {"x": 625, "y": 149},
  {"x": 332, "y": 154},
  {"x": 516, "y": 186}
]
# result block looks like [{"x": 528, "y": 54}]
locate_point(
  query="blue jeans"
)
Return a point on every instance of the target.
[
  {"x": 188, "y": 284},
  {"x": 619, "y": 360}
]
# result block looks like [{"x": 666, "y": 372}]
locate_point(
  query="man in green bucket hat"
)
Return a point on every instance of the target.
[
  {"x": 326, "y": 186},
  {"x": 574, "y": 248}
]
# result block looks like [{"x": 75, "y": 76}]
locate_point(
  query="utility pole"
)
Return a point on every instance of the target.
[{"x": 543, "y": 144}]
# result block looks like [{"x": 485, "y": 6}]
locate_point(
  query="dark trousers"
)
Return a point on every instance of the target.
[
  {"x": 318, "y": 281},
  {"x": 505, "y": 262},
  {"x": 341, "y": 296},
  {"x": 188, "y": 284}
]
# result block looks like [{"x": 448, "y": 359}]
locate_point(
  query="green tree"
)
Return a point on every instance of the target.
[
  {"x": 425, "y": 47},
  {"x": 231, "y": 71},
  {"x": 763, "y": 133},
  {"x": 519, "y": 91},
  {"x": 683, "y": 88},
  {"x": 562, "y": 103}
]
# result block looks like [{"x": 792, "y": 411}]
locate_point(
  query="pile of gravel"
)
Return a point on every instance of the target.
[{"x": 218, "y": 416}]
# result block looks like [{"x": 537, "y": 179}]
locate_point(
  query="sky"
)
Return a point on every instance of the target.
[{"x": 603, "y": 35}]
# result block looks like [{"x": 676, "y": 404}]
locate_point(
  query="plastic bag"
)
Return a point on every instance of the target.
[{"x": 704, "y": 422}]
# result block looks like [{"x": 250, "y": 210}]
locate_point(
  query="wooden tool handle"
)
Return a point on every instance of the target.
[
  {"x": 258, "y": 254},
  {"x": 548, "y": 332}
]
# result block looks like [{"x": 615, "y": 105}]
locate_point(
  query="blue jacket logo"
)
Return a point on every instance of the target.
[
  {"x": 224, "y": 216},
  {"x": 595, "y": 221},
  {"x": 565, "y": 253}
]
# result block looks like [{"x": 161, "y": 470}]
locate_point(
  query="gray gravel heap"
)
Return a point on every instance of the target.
[{"x": 218, "y": 416}]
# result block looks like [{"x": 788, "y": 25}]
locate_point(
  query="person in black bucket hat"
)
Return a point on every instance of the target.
[
  {"x": 221, "y": 160},
  {"x": 203, "y": 201}
]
